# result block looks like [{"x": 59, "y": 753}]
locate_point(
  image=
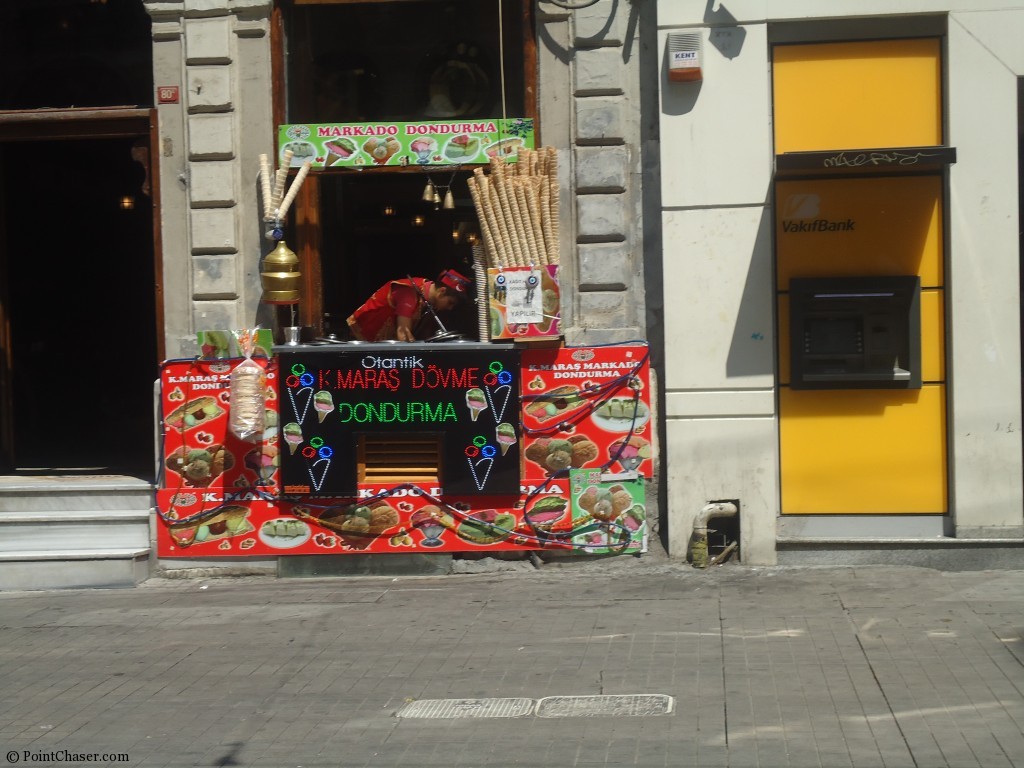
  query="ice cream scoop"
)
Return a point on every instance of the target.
[
  {"x": 546, "y": 512},
  {"x": 381, "y": 149},
  {"x": 423, "y": 148},
  {"x": 630, "y": 452}
]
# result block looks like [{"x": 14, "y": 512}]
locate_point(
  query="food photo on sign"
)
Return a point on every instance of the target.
[
  {"x": 608, "y": 512},
  {"x": 587, "y": 408},
  {"x": 226, "y": 522},
  {"x": 199, "y": 449}
]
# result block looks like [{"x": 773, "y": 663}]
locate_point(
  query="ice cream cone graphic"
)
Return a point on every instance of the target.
[
  {"x": 323, "y": 403},
  {"x": 292, "y": 436},
  {"x": 476, "y": 402},
  {"x": 505, "y": 434},
  {"x": 339, "y": 150}
]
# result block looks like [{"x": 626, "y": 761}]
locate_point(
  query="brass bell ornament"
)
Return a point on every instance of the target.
[{"x": 280, "y": 277}]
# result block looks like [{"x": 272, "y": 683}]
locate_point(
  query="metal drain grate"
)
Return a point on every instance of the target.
[
  {"x": 463, "y": 708},
  {"x": 633, "y": 705}
]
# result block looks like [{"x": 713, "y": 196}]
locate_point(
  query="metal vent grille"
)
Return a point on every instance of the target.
[
  {"x": 632, "y": 705},
  {"x": 449, "y": 709}
]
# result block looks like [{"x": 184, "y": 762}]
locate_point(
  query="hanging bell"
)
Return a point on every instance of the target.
[
  {"x": 282, "y": 258},
  {"x": 280, "y": 278},
  {"x": 429, "y": 193},
  {"x": 449, "y": 200}
]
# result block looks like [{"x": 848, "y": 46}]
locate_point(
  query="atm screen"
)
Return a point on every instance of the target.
[{"x": 833, "y": 336}]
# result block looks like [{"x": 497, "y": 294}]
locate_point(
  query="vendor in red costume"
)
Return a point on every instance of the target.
[{"x": 395, "y": 308}]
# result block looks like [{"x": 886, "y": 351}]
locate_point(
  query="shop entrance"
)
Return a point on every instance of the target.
[
  {"x": 77, "y": 286},
  {"x": 78, "y": 315}
]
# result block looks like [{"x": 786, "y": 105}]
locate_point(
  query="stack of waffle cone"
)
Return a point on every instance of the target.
[{"x": 518, "y": 209}]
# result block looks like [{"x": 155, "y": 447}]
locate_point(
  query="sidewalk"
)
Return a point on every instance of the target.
[{"x": 830, "y": 667}]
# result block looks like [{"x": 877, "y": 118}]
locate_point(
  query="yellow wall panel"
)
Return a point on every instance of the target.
[
  {"x": 933, "y": 336},
  {"x": 857, "y": 95},
  {"x": 868, "y": 451},
  {"x": 866, "y": 226},
  {"x": 863, "y": 451}
]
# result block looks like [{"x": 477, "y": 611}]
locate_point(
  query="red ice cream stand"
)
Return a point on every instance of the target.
[
  {"x": 512, "y": 443},
  {"x": 533, "y": 449}
]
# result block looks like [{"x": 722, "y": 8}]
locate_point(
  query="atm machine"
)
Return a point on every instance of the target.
[{"x": 855, "y": 332}]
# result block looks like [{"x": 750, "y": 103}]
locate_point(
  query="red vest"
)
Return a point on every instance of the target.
[{"x": 376, "y": 320}]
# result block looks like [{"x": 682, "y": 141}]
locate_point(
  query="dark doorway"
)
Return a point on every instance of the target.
[
  {"x": 77, "y": 269},
  {"x": 78, "y": 314}
]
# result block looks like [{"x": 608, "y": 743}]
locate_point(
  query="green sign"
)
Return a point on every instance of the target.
[
  {"x": 608, "y": 514},
  {"x": 366, "y": 145}
]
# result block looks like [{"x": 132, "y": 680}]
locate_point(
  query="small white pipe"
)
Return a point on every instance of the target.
[
  {"x": 699, "y": 538},
  {"x": 711, "y": 511}
]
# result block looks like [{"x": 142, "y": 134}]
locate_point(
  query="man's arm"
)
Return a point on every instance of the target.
[
  {"x": 403, "y": 329},
  {"x": 406, "y": 301}
]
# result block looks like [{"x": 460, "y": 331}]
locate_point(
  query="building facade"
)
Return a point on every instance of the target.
[
  {"x": 803, "y": 117},
  {"x": 710, "y": 154}
]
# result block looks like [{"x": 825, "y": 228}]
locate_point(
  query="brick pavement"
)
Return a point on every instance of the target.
[{"x": 828, "y": 667}]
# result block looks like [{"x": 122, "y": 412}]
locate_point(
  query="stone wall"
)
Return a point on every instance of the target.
[
  {"x": 218, "y": 54},
  {"x": 589, "y": 102}
]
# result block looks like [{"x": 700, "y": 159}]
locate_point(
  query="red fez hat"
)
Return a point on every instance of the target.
[{"x": 452, "y": 279}]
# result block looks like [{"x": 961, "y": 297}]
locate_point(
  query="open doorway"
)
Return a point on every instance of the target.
[
  {"x": 79, "y": 341},
  {"x": 78, "y": 261}
]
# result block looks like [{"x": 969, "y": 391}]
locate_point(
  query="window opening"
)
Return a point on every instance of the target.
[
  {"x": 409, "y": 61},
  {"x": 406, "y": 61}
]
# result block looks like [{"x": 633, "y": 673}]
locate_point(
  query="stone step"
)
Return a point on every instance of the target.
[
  {"x": 72, "y": 568},
  {"x": 60, "y": 531},
  {"x": 72, "y": 494},
  {"x": 941, "y": 552},
  {"x": 53, "y": 531}
]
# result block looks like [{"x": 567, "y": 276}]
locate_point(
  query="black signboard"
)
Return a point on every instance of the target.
[
  {"x": 886, "y": 160},
  {"x": 466, "y": 396}
]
